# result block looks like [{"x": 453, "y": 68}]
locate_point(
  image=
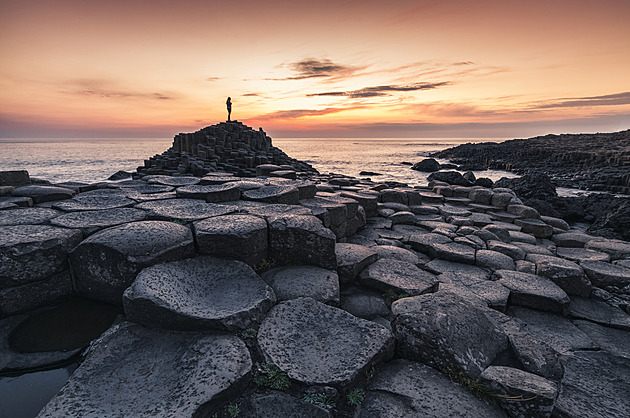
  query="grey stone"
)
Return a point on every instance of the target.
[
  {"x": 534, "y": 354},
  {"x": 526, "y": 266},
  {"x": 424, "y": 242},
  {"x": 616, "y": 249},
  {"x": 106, "y": 263},
  {"x": 447, "y": 330},
  {"x": 501, "y": 199},
  {"x": 27, "y": 216},
  {"x": 514, "y": 251},
  {"x": 94, "y": 220},
  {"x": 352, "y": 259},
  {"x": 14, "y": 178},
  {"x": 556, "y": 222},
  {"x": 212, "y": 193},
  {"x": 234, "y": 236},
  {"x": 367, "y": 201},
  {"x": 173, "y": 181},
  {"x": 566, "y": 274},
  {"x": 266, "y": 169},
  {"x": 184, "y": 209},
  {"x": 430, "y": 197},
  {"x": 41, "y": 193},
  {"x": 304, "y": 281},
  {"x": 11, "y": 202},
  {"x": 33, "y": 295},
  {"x": 319, "y": 344},
  {"x": 145, "y": 188},
  {"x": 337, "y": 211},
  {"x": 280, "y": 405},
  {"x": 302, "y": 239},
  {"x": 533, "y": 291},
  {"x": 397, "y": 253},
  {"x": 289, "y": 195},
  {"x": 523, "y": 211},
  {"x": 500, "y": 232},
  {"x": 599, "y": 312},
  {"x": 366, "y": 305},
  {"x": 615, "y": 341},
  {"x": 406, "y": 218},
  {"x": 493, "y": 260},
  {"x": 577, "y": 255},
  {"x": 517, "y": 236},
  {"x": 606, "y": 274},
  {"x": 142, "y": 372},
  {"x": 269, "y": 211},
  {"x": 198, "y": 294},
  {"x": 532, "y": 249},
  {"x": 30, "y": 253},
  {"x": 442, "y": 266},
  {"x": 494, "y": 294},
  {"x": 400, "y": 276},
  {"x": 572, "y": 239},
  {"x": 452, "y": 251},
  {"x": 523, "y": 394},
  {"x": 95, "y": 200},
  {"x": 595, "y": 385},
  {"x": 410, "y": 389}
]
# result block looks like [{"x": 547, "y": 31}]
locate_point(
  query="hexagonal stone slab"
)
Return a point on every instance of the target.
[
  {"x": 143, "y": 372},
  {"x": 198, "y": 294},
  {"x": 533, "y": 291},
  {"x": 577, "y": 255},
  {"x": 33, "y": 295},
  {"x": 289, "y": 195},
  {"x": 390, "y": 274},
  {"x": 212, "y": 193},
  {"x": 29, "y": 253},
  {"x": 352, "y": 259},
  {"x": 184, "y": 209},
  {"x": 424, "y": 242},
  {"x": 409, "y": 389},
  {"x": 41, "y": 193},
  {"x": 317, "y": 344},
  {"x": 94, "y": 220},
  {"x": 606, "y": 274},
  {"x": 494, "y": 260},
  {"x": 27, "y": 216},
  {"x": 397, "y": 253},
  {"x": 447, "y": 330},
  {"x": 95, "y": 200},
  {"x": 566, "y": 274},
  {"x": 452, "y": 251},
  {"x": 304, "y": 281},
  {"x": 599, "y": 312},
  {"x": 614, "y": 341},
  {"x": 107, "y": 262},
  {"x": 173, "y": 181},
  {"x": 616, "y": 249},
  {"x": 234, "y": 236}
]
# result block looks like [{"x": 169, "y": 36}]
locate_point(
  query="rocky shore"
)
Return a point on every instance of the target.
[{"x": 295, "y": 294}]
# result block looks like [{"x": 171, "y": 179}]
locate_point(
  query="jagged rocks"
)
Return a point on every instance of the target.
[
  {"x": 533, "y": 291},
  {"x": 234, "y": 236},
  {"x": 409, "y": 389},
  {"x": 318, "y": 344},
  {"x": 142, "y": 372},
  {"x": 197, "y": 294},
  {"x": 352, "y": 259},
  {"x": 107, "y": 262},
  {"x": 302, "y": 239},
  {"x": 304, "y": 281},
  {"x": 445, "y": 330},
  {"x": 184, "y": 209},
  {"x": 389, "y": 274}
]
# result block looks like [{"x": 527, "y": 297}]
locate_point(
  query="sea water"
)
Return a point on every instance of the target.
[{"x": 93, "y": 160}]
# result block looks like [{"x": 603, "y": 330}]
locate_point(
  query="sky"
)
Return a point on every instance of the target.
[{"x": 386, "y": 69}]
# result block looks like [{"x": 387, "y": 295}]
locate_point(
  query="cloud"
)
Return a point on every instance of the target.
[
  {"x": 299, "y": 113},
  {"x": 383, "y": 90},
  {"x": 318, "y": 68},
  {"x": 606, "y": 100},
  {"x": 213, "y": 78},
  {"x": 111, "y": 90}
]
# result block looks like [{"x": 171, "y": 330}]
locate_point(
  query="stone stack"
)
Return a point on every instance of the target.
[{"x": 225, "y": 147}]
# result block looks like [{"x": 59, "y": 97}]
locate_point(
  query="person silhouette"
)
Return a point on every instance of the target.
[{"x": 229, "y": 107}]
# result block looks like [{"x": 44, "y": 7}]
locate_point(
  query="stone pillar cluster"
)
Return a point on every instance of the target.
[{"x": 227, "y": 147}]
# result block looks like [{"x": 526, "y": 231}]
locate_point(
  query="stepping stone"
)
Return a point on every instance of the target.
[
  {"x": 430, "y": 197},
  {"x": 616, "y": 249},
  {"x": 516, "y": 236},
  {"x": 270, "y": 211},
  {"x": 396, "y": 253},
  {"x": 614, "y": 341},
  {"x": 406, "y": 218},
  {"x": 40, "y": 193},
  {"x": 503, "y": 216},
  {"x": 494, "y": 294},
  {"x": 555, "y": 222},
  {"x": 11, "y": 202},
  {"x": 438, "y": 266},
  {"x": 566, "y": 274},
  {"x": 447, "y": 210},
  {"x": 535, "y": 355},
  {"x": 266, "y": 169},
  {"x": 30, "y": 253},
  {"x": 531, "y": 249},
  {"x": 338, "y": 212},
  {"x": 606, "y": 274},
  {"x": 452, "y": 251},
  {"x": 493, "y": 260},
  {"x": 514, "y": 251},
  {"x": 425, "y": 210},
  {"x": 184, "y": 209},
  {"x": 95, "y": 200},
  {"x": 280, "y": 405},
  {"x": 33, "y": 295},
  {"x": 532, "y": 291},
  {"x": 521, "y": 393},
  {"x": 393, "y": 195},
  {"x": 425, "y": 242},
  {"x": 501, "y": 199},
  {"x": 106, "y": 263},
  {"x": 523, "y": 211},
  {"x": 352, "y": 205},
  {"x": 577, "y": 255},
  {"x": 94, "y": 220},
  {"x": 501, "y": 233},
  {"x": 316, "y": 344},
  {"x": 173, "y": 181},
  {"x": 212, "y": 194},
  {"x": 595, "y": 385},
  {"x": 368, "y": 202},
  {"x": 409, "y": 389},
  {"x": 456, "y": 200},
  {"x": 221, "y": 178},
  {"x": 304, "y": 281},
  {"x": 148, "y": 197},
  {"x": 146, "y": 189},
  {"x": 407, "y": 232},
  {"x": 27, "y": 216},
  {"x": 572, "y": 239},
  {"x": 366, "y": 305},
  {"x": 352, "y": 259},
  {"x": 234, "y": 236},
  {"x": 142, "y": 372},
  {"x": 389, "y": 274},
  {"x": 558, "y": 332},
  {"x": 599, "y": 312},
  {"x": 396, "y": 207},
  {"x": 445, "y": 330},
  {"x": 289, "y": 195},
  {"x": 302, "y": 239},
  {"x": 200, "y": 293},
  {"x": 481, "y": 196}
]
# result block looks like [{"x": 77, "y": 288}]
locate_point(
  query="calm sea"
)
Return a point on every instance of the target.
[{"x": 92, "y": 160}]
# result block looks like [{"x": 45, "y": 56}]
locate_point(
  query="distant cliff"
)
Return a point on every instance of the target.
[{"x": 587, "y": 161}]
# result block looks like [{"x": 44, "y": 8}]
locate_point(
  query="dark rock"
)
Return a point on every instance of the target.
[
  {"x": 288, "y": 195},
  {"x": 317, "y": 344},
  {"x": 184, "y": 209},
  {"x": 142, "y": 372},
  {"x": 352, "y": 259},
  {"x": 599, "y": 312},
  {"x": 33, "y": 295},
  {"x": 535, "y": 185},
  {"x": 198, "y": 294},
  {"x": 213, "y": 194},
  {"x": 280, "y": 405},
  {"x": 484, "y": 182},
  {"x": 15, "y": 178},
  {"x": 174, "y": 181},
  {"x": 40, "y": 193},
  {"x": 396, "y": 253},
  {"x": 533, "y": 291},
  {"x": 605, "y": 274},
  {"x": 616, "y": 249},
  {"x": 27, "y": 216},
  {"x": 614, "y": 341},
  {"x": 95, "y": 200},
  {"x": 94, "y": 220},
  {"x": 566, "y": 274},
  {"x": 120, "y": 175},
  {"x": 366, "y": 305},
  {"x": 450, "y": 177},
  {"x": 390, "y": 274},
  {"x": 304, "y": 281},
  {"x": 427, "y": 165}
]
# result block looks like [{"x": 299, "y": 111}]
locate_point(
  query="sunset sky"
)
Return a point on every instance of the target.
[{"x": 396, "y": 68}]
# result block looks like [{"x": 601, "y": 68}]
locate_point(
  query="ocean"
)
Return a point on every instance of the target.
[{"x": 93, "y": 160}]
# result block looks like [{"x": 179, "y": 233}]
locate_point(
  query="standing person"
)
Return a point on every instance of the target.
[{"x": 229, "y": 107}]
